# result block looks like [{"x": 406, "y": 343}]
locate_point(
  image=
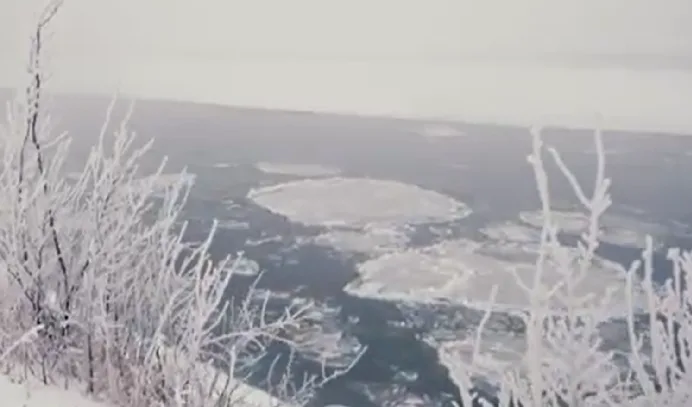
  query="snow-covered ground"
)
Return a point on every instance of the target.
[
  {"x": 37, "y": 395},
  {"x": 299, "y": 170},
  {"x": 357, "y": 202},
  {"x": 32, "y": 393}
]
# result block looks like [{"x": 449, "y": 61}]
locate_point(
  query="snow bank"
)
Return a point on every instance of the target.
[
  {"x": 464, "y": 272},
  {"x": 241, "y": 394},
  {"x": 299, "y": 170},
  {"x": 357, "y": 202},
  {"x": 38, "y": 395}
]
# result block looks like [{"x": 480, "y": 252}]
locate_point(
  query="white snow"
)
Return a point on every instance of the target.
[
  {"x": 33, "y": 394},
  {"x": 464, "y": 272},
  {"x": 299, "y": 170},
  {"x": 357, "y": 202},
  {"x": 242, "y": 395}
]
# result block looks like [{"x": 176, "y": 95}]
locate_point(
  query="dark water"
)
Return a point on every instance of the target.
[{"x": 486, "y": 169}]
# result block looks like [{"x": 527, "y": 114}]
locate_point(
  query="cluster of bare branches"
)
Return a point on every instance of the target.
[
  {"x": 100, "y": 290},
  {"x": 564, "y": 364}
]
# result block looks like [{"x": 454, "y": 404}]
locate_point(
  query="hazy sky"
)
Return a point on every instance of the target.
[
  {"x": 380, "y": 27},
  {"x": 307, "y": 52}
]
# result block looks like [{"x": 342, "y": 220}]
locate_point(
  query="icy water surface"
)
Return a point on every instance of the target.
[{"x": 482, "y": 166}]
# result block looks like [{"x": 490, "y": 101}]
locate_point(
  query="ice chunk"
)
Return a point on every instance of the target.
[
  {"x": 243, "y": 266},
  {"x": 465, "y": 272},
  {"x": 615, "y": 229},
  {"x": 511, "y": 232},
  {"x": 370, "y": 240},
  {"x": 300, "y": 170},
  {"x": 357, "y": 202},
  {"x": 440, "y": 131},
  {"x": 568, "y": 222}
]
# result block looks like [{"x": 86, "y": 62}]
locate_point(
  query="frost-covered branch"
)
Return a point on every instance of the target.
[
  {"x": 563, "y": 363},
  {"x": 99, "y": 283}
]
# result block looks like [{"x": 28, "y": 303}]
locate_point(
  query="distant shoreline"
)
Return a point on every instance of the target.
[{"x": 667, "y": 115}]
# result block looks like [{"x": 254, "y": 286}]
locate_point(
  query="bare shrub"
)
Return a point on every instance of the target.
[
  {"x": 564, "y": 363},
  {"x": 99, "y": 288}
]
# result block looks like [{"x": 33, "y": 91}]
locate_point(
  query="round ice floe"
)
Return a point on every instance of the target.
[
  {"x": 568, "y": 222},
  {"x": 233, "y": 224},
  {"x": 428, "y": 274},
  {"x": 617, "y": 230},
  {"x": 357, "y": 202},
  {"x": 465, "y": 273},
  {"x": 224, "y": 165},
  {"x": 511, "y": 232},
  {"x": 299, "y": 170},
  {"x": 440, "y": 131},
  {"x": 369, "y": 240},
  {"x": 244, "y": 267},
  {"x": 497, "y": 353}
]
